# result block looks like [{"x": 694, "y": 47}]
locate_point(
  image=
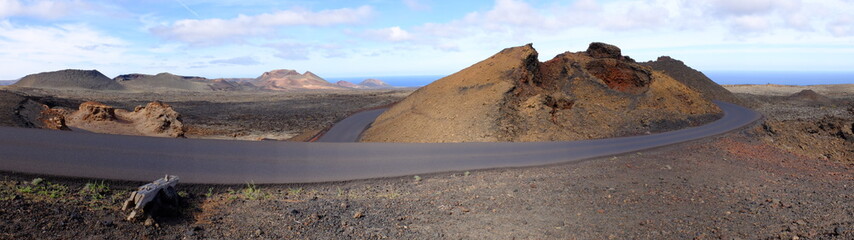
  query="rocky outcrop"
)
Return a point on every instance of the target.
[
  {"x": 693, "y": 79},
  {"x": 69, "y": 79},
  {"x": 511, "y": 96},
  {"x": 158, "y": 118},
  {"x": 95, "y": 111},
  {"x": 38, "y": 115}
]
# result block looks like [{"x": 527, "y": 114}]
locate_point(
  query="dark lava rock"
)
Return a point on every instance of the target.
[{"x": 603, "y": 50}]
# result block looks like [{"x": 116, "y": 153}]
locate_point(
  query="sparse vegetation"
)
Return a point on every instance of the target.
[
  {"x": 38, "y": 189},
  {"x": 252, "y": 192},
  {"x": 95, "y": 195},
  {"x": 417, "y": 178},
  {"x": 294, "y": 191}
]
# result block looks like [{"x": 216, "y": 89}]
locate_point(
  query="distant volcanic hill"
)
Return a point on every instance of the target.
[
  {"x": 511, "y": 96},
  {"x": 162, "y": 82},
  {"x": 374, "y": 83},
  {"x": 365, "y": 84},
  {"x": 693, "y": 79},
  {"x": 810, "y": 96},
  {"x": 347, "y": 84},
  {"x": 69, "y": 79},
  {"x": 285, "y": 79},
  {"x": 7, "y": 82}
]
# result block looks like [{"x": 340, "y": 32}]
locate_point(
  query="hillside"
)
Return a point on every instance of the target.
[
  {"x": 511, "y": 96},
  {"x": 693, "y": 79},
  {"x": 69, "y": 79},
  {"x": 163, "y": 82},
  {"x": 286, "y": 79},
  {"x": 7, "y": 82}
]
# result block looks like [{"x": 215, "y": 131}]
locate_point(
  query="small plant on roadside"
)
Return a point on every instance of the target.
[
  {"x": 340, "y": 192},
  {"x": 466, "y": 174},
  {"x": 417, "y": 178},
  {"x": 96, "y": 194},
  {"x": 209, "y": 193},
  {"x": 252, "y": 192},
  {"x": 95, "y": 190},
  {"x": 294, "y": 191},
  {"x": 40, "y": 189}
]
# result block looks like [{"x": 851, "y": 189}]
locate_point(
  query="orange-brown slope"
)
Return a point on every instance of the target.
[{"x": 511, "y": 96}]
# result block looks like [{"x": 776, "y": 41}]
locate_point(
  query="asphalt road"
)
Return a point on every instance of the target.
[
  {"x": 350, "y": 129},
  {"x": 235, "y": 162}
]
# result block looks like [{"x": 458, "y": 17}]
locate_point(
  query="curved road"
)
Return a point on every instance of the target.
[
  {"x": 350, "y": 129},
  {"x": 236, "y": 162}
]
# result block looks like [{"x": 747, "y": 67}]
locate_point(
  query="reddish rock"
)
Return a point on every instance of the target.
[
  {"x": 95, "y": 111},
  {"x": 159, "y": 118}
]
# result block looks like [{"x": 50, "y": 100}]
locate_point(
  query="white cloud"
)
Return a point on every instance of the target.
[
  {"x": 416, "y": 5},
  {"x": 216, "y": 30},
  {"x": 44, "y": 9},
  {"x": 744, "y": 7},
  {"x": 28, "y": 49},
  {"x": 750, "y": 23},
  {"x": 392, "y": 34},
  {"x": 245, "y": 60},
  {"x": 843, "y": 27},
  {"x": 517, "y": 21}
]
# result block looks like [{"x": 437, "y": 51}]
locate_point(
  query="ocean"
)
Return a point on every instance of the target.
[
  {"x": 721, "y": 77},
  {"x": 782, "y": 78}
]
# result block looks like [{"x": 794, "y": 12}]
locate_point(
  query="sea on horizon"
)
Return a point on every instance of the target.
[{"x": 720, "y": 77}]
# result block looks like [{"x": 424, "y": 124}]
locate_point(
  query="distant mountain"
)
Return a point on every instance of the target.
[
  {"x": 162, "y": 82},
  {"x": 7, "y": 82},
  {"x": 374, "y": 83},
  {"x": 347, "y": 84},
  {"x": 70, "y": 79},
  {"x": 286, "y": 79}
]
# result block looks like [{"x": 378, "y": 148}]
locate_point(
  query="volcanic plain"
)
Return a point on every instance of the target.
[{"x": 788, "y": 176}]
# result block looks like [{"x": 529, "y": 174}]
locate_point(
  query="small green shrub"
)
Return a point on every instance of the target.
[
  {"x": 95, "y": 190},
  {"x": 252, "y": 192},
  {"x": 40, "y": 189},
  {"x": 294, "y": 191}
]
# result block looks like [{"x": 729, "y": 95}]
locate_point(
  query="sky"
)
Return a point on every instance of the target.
[{"x": 338, "y": 38}]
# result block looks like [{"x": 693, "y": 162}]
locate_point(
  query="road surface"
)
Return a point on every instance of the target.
[
  {"x": 351, "y": 128},
  {"x": 236, "y": 162}
]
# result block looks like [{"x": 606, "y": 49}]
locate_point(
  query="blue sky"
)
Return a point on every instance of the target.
[{"x": 244, "y": 38}]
